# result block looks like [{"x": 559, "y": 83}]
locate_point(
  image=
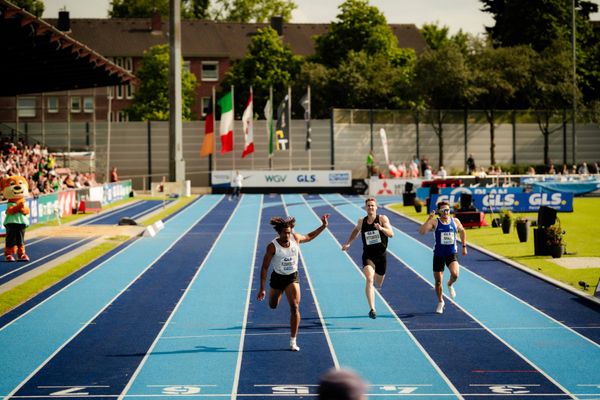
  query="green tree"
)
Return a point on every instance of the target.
[
  {"x": 497, "y": 77},
  {"x": 550, "y": 88},
  {"x": 369, "y": 81},
  {"x": 442, "y": 82},
  {"x": 437, "y": 36},
  {"x": 538, "y": 23},
  {"x": 252, "y": 10},
  {"x": 318, "y": 77},
  {"x": 36, "y": 7},
  {"x": 359, "y": 27},
  {"x": 268, "y": 63},
  {"x": 190, "y": 9},
  {"x": 541, "y": 23},
  {"x": 151, "y": 99}
]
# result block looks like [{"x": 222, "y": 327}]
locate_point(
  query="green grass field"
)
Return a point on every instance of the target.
[{"x": 582, "y": 240}]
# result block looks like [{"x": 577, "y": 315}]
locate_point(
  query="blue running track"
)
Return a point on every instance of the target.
[{"x": 176, "y": 315}]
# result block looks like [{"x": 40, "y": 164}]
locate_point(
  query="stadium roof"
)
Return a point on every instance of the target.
[{"x": 37, "y": 57}]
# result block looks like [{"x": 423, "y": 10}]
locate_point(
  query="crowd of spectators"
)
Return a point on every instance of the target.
[
  {"x": 421, "y": 168},
  {"x": 39, "y": 168}
]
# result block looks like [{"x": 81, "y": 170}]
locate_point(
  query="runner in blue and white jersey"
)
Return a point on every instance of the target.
[{"x": 445, "y": 249}]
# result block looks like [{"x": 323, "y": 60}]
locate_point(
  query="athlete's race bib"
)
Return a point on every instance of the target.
[
  {"x": 287, "y": 264},
  {"x": 447, "y": 237},
  {"x": 372, "y": 237}
]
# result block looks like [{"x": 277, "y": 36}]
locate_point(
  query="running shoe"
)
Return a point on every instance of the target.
[
  {"x": 452, "y": 291},
  {"x": 440, "y": 308},
  {"x": 294, "y": 347},
  {"x": 372, "y": 314},
  {"x": 9, "y": 258}
]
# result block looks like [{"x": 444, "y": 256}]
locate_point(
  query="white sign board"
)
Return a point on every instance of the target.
[{"x": 296, "y": 179}]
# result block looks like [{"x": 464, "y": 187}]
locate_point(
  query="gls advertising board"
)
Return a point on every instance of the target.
[
  {"x": 516, "y": 202},
  {"x": 281, "y": 179}
]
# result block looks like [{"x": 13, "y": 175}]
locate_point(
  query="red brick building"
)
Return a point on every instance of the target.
[{"x": 208, "y": 49}]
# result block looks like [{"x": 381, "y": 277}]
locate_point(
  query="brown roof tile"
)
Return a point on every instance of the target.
[{"x": 203, "y": 38}]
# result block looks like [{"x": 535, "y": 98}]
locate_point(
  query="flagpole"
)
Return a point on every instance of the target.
[
  {"x": 270, "y": 127},
  {"x": 289, "y": 116},
  {"x": 214, "y": 120},
  {"x": 252, "y": 122},
  {"x": 308, "y": 132},
  {"x": 232, "y": 127}
]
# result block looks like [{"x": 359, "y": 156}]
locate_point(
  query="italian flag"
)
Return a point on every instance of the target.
[{"x": 226, "y": 125}]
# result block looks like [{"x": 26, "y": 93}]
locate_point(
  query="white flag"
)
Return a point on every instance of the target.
[
  {"x": 385, "y": 145},
  {"x": 248, "y": 128}
]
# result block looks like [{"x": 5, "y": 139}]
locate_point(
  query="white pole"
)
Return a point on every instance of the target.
[
  {"x": 109, "y": 123},
  {"x": 232, "y": 128},
  {"x": 215, "y": 133},
  {"x": 308, "y": 132},
  {"x": 289, "y": 122}
]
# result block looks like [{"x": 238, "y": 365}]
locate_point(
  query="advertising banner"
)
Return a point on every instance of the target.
[
  {"x": 423, "y": 192},
  {"x": 66, "y": 202},
  {"x": 45, "y": 208},
  {"x": 516, "y": 202},
  {"x": 392, "y": 187},
  {"x": 295, "y": 179}
]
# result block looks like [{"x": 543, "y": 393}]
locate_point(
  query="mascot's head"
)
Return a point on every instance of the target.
[{"x": 14, "y": 187}]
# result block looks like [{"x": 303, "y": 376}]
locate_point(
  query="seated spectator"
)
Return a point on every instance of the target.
[
  {"x": 427, "y": 174},
  {"x": 442, "y": 174},
  {"x": 530, "y": 171},
  {"x": 394, "y": 173},
  {"x": 402, "y": 169},
  {"x": 551, "y": 170},
  {"x": 114, "y": 176},
  {"x": 68, "y": 182},
  {"x": 481, "y": 173},
  {"x": 583, "y": 169}
]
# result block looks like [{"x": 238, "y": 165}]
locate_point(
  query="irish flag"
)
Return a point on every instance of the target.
[{"x": 226, "y": 125}]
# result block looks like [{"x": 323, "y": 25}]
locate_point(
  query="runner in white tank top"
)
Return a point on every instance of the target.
[
  {"x": 285, "y": 259},
  {"x": 282, "y": 255}
]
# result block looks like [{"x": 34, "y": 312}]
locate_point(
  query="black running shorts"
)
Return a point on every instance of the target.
[
  {"x": 280, "y": 282},
  {"x": 378, "y": 263},
  {"x": 439, "y": 262}
]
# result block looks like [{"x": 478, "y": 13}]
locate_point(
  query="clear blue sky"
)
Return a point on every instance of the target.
[{"x": 456, "y": 14}]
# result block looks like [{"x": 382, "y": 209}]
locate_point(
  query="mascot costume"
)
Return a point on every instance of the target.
[{"x": 15, "y": 190}]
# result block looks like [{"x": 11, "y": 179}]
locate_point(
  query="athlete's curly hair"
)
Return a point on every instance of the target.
[{"x": 280, "y": 223}]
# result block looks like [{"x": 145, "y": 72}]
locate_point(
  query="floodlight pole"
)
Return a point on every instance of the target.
[
  {"x": 573, "y": 120},
  {"x": 176, "y": 161}
]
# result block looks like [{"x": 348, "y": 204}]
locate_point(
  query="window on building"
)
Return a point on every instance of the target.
[
  {"x": 88, "y": 104},
  {"x": 129, "y": 91},
  {"x": 119, "y": 61},
  {"x": 206, "y": 104},
  {"x": 75, "y": 104},
  {"x": 119, "y": 91},
  {"x": 129, "y": 64},
  {"x": 26, "y": 106},
  {"x": 210, "y": 71},
  {"x": 52, "y": 102}
]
